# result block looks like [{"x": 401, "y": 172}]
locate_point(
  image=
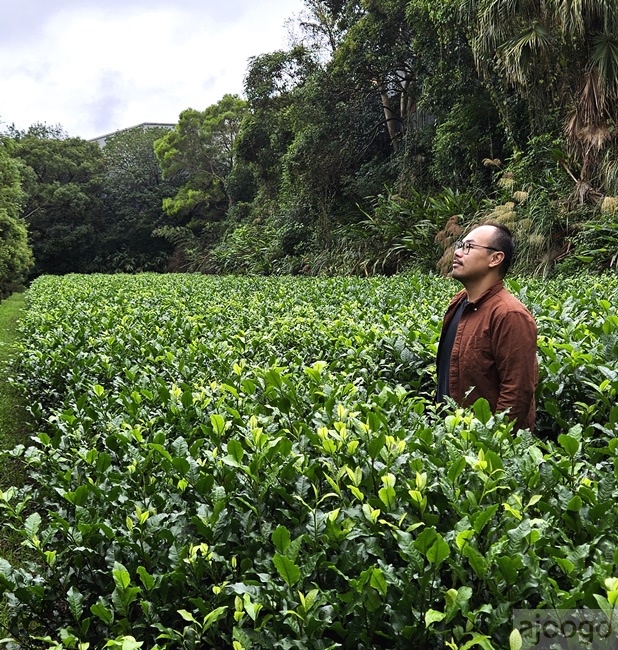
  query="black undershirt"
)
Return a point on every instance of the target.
[{"x": 446, "y": 349}]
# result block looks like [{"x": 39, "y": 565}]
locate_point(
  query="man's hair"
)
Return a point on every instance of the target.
[{"x": 503, "y": 240}]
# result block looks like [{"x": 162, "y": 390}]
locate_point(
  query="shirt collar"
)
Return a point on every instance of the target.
[{"x": 492, "y": 291}]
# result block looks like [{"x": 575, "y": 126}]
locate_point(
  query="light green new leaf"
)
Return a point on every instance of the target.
[
  {"x": 218, "y": 423},
  {"x": 356, "y": 492},
  {"x": 387, "y": 496},
  {"x": 462, "y": 538},
  {"x": 124, "y": 643},
  {"x": 378, "y": 581},
  {"x": 433, "y": 616},
  {"x": 213, "y": 616},
  {"x": 309, "y": 600},
  {"x": 122, "y": 578},
  {"x": 188, "y": 616},
  {"x": 253, "y": 609},
  {"x": 455, "y": 598},
  {"x": 482, "y": 410},
  {"x": 515, "y": 640},
  {"x": 478, "y": 640}
]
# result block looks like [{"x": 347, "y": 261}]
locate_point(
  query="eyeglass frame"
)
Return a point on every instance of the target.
[{"x": 465, "y": 246}]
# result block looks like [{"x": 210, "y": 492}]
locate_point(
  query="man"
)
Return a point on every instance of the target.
[{"x": 489, "y": 339}]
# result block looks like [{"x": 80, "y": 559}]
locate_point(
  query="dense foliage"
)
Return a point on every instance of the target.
[
  {"x": 256, "y": 463},
  {"x": 15, "y": 254},
  {"x": 62, "y": 198},
  {"x": 133, "y": 193},
  {"x": 512, "y": 105}
]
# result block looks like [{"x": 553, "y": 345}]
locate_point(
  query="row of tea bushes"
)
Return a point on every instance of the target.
[{"x": 257, "y": 463}]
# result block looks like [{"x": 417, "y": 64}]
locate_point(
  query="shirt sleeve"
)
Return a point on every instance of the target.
[{"x": 515, "y": 341}]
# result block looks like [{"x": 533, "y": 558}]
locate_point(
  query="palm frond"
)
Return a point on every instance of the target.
[
  {"x": 587, "y": 127},
  {"x": 532, "y": 45},
  {"x": 571, "y": 17},
  {"x": 605, "y": 57},
  {"x": 609, "y": 172}
]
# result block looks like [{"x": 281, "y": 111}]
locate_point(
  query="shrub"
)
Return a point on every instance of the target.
[{"x": 256, "y": 463}]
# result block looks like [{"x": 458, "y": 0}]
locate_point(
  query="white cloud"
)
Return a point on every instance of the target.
[{"x": 94, "y": 70}]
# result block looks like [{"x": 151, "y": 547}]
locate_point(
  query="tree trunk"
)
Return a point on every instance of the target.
[{"x": 393, "y": 121}]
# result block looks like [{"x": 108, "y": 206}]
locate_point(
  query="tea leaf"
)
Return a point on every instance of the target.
[
  {"x": 213, "y": 617},
  {"x": 76, "y": 603},
  {"x": 235, "y": 450},
  {"x": 281, "y": 539},
  {"x": 439, "y": 551},
  {"x": 218, "y": 424},
  {"x": 32, "y": 524},
  {"x": 482, "y": 410},
  {"x": 433, "y": 616},
  {"x": 569, "y": 444},
  {"x": 102, "y": 612},
  {"x": 515, "y": 640},
  {"x": 378, "y": 582},
  {"x": 287, "y": 569}
]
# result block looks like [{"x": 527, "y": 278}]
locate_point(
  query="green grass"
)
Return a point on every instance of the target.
[{"x": 13, "y": 415}]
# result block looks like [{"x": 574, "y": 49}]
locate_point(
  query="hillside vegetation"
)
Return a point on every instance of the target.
[{"x": 383, "y": 130}]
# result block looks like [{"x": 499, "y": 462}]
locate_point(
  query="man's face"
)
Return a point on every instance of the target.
[{"x": 480, "y": 261}]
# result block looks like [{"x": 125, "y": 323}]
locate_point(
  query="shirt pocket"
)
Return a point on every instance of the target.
[{"x": 478, "y": 351}]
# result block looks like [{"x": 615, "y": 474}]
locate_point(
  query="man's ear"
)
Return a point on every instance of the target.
[{"x": 496, "y": 259}]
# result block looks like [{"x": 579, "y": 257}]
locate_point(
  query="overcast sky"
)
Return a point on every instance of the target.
[{"x": 95, "y": 66}]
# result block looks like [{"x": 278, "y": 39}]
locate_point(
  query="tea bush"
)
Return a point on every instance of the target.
[{"x": 257, "y": 463}]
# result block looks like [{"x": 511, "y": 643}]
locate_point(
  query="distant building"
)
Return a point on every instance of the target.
[{"x": 144, "y": 125}]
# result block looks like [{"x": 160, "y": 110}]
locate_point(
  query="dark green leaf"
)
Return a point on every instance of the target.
[{"x": 287, "y": 569}]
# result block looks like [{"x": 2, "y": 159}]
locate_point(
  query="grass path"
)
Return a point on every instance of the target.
[
  {"x": 13, "y": 419},
  {"x": 13, "y": 415}
]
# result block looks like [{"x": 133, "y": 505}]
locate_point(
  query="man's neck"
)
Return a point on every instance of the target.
[{"x": 476, "y": 289}]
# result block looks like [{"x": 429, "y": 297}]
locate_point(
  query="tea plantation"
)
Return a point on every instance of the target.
[{"x": 257, "y": 463}]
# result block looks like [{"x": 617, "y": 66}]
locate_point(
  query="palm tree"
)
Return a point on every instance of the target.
[{"x": 559, "y": 55}]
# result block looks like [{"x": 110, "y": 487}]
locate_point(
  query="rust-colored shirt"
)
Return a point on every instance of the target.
[{"x": 494, "y": 353}]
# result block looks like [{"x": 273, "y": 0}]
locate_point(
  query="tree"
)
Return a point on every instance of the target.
[
  {"x": 267, "y": 129},
  {"x": 62, "y": 207},
  {"x": 378, "y": 55},
  {"x": 304, "y": 136},
  {"x": 562, "y": 59},
  {"x": 329, "y": 147},
  {"x": 200, "y": 153},
  {"x": 324, "y": 24},
  {"x": 133, "y": 193},
  {"x": 15, "y": 254},
  {"x": 202, "y": 148}
]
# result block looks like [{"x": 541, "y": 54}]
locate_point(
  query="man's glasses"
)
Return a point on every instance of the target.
[{"x": 467, "y": 245}]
